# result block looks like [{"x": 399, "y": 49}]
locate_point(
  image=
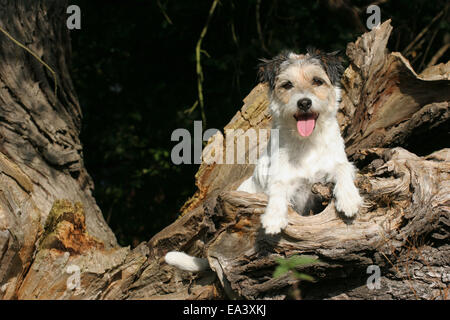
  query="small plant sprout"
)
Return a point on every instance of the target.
[{"x": 291, "y": 263}]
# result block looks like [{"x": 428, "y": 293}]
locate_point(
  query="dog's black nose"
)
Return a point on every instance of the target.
[{"x": 304, "y": 104}]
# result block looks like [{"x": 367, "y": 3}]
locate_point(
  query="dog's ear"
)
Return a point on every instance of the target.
[
  {"x": 268, "y": 69},
  {"x": 330, "y": 62}
]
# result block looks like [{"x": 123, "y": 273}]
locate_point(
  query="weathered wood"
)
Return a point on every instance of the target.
[
  {"x": 406, "y": 208},
  {"x": 385, "y": 104},
  {"x": 41, "y": 156},
  {"x": 48, "y": 244}
]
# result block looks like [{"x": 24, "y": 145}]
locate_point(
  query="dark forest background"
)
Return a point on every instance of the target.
[{"x": 134, "y": 69}]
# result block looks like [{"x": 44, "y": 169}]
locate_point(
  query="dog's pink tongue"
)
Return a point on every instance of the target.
[{"x": 305, "y": 125}]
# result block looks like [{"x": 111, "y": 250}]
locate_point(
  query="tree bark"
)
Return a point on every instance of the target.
[
  {"x": 41, "y": 156},
  {"x": 55, "y": 244}
]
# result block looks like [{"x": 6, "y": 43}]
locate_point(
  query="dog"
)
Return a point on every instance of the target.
[{"x": 304, "y": 94}]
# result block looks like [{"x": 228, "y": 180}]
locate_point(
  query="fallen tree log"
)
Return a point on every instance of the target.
[
  {"x": 51, "y": 248},
  {"x": 405, "y": 215},
  {"x": 385, "y": 104}
]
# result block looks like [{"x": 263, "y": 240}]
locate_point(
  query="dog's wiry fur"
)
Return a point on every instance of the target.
[
  {"x": 304, "y": 157},
  {"x": 287, "y": 176}
]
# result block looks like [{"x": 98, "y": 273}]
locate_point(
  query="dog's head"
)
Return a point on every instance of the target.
[{"x": 303, "y": 88}]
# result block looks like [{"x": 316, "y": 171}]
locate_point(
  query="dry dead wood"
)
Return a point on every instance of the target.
[{"x": 47, "y": 244}]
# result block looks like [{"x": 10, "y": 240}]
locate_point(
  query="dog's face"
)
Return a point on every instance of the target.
[{"x": 303, "y": 88}]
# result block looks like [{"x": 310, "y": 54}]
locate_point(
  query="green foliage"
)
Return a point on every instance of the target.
[{"x": 290, "y": 264}]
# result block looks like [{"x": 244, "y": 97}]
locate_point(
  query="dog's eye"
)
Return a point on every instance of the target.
[
  {"x": 317, "y": 81},
  {"x": 287, "y": 85}
]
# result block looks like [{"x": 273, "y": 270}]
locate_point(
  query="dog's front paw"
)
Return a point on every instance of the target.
[
  {"x": 274, "y": 220},
  {"x": 349, "y": 204},
  {"x": 273, "y": 224}
]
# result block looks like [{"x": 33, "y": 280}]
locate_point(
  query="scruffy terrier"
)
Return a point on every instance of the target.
[{"x": 304, "y": 97}]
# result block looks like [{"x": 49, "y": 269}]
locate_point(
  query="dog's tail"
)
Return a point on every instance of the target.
[{"x": 186, "y": 262}]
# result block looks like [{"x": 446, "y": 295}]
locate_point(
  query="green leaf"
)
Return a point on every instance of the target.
[
  {"x": 303, "y": 276},
  {"x": 289, "y": 264},
  {"x": 279, "y": 271},
  {"x": 302, "y": 260}
]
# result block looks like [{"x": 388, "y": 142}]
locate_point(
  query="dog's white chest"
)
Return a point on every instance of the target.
[{"x": 304, "y": 166}]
